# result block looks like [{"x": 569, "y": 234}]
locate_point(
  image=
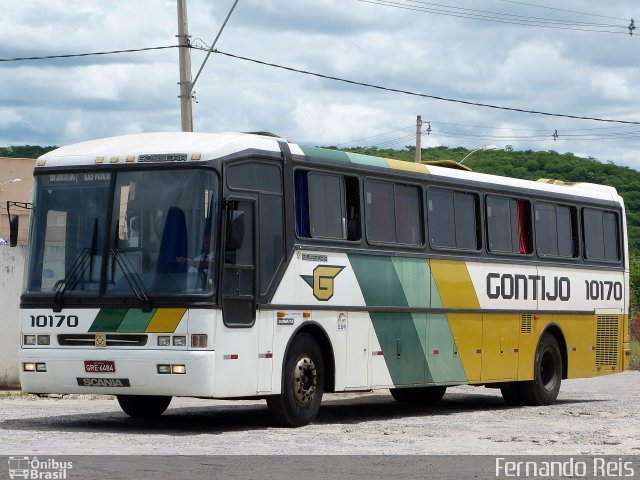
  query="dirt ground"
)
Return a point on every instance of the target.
[{"x": 597, "y": 416}]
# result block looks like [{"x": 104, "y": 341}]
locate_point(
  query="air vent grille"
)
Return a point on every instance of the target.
[
  {"x": 525, "y": 323},
  {"x": 607, "y": 341}
]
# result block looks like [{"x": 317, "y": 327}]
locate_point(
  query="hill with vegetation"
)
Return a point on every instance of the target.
[{"x": 24, "y": 151}]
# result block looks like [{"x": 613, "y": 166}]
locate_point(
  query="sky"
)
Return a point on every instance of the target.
[{"x": 398, "y": 44}]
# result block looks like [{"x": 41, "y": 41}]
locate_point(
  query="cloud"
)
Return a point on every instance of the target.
[{"x": 555, "y": 70}]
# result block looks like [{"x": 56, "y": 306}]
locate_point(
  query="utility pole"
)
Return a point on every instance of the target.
[
  {"x": 418, "y": 139},
  {"x": 186, "y": 114}
]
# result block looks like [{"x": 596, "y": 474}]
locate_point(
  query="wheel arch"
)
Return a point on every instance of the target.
[
  {"x": 555, "y": 330},
  {"x": 319, "y": 335}
]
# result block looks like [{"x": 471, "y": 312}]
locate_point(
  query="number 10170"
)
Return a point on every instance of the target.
[
  {"x": 599, "y": 290},
  {"x": 54, "y": 321}
]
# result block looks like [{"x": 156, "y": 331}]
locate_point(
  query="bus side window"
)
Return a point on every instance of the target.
[
  {"x": 509, "y": 225},
  {"x": 601, "y": 242},
  {"x": 327, "y": 206}
]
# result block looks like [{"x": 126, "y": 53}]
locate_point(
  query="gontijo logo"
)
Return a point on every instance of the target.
[{"x": 322, "y": 281}]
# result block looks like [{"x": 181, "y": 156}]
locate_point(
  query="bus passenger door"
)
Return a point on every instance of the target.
[{"x": 239, "y": 273}]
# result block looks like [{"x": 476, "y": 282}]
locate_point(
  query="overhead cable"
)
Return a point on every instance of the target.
[
  {"x": 90, "y": 54},
  {"x": 424, "y": 95}
]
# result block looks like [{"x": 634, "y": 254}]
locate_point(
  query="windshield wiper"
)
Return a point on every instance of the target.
[
  {"x": 130, "y": 274},
  {"x": 75, "y": 274},
  {"x": 78, "y": 268}
]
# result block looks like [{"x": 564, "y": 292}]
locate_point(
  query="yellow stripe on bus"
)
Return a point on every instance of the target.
[
  {"x": 454, "y": 284},
  {"x": 407, "y": 166},
  {"x": 165, "y": 320}
]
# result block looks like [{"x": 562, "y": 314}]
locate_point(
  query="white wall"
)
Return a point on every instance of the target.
[{"x": 11, "y": 268}]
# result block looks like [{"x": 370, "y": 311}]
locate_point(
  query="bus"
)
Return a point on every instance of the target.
[{"x": 236, "y": 266}]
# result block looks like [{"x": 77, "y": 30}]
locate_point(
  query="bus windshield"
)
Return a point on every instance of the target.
[{"x": 136, "y": 233}]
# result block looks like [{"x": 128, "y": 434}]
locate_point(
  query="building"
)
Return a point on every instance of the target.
[{"x": 11, "y": 168}]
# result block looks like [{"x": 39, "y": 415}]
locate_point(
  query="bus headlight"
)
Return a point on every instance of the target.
[
  {"x": 44, "y": 340},
  {"x": 29, "y": 340},
  {"x": 180, "y": 341},
  {"x": 164, "y": 341}
]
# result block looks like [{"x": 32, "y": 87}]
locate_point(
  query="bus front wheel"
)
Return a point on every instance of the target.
[
  {"x": 302, "y": 384},
  {"x": 143, "y": 406},
  {"x": 547, "y": 374}
]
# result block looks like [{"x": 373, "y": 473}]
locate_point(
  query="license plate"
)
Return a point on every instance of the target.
[{"x": 99, "y": 366}]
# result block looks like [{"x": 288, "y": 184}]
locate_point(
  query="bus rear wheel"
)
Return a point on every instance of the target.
[
  {"x": 302, "y": 384},
  {"x": 143, "y": 406},
  {"x": 512, "y": 393},
  {"x": 547, "y": 374},
  {"x": 418, "y": 394}
]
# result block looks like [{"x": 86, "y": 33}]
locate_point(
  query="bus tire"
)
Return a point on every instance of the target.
[
  {"x": 512, "y": 393},
  {"x": 143, "y": 406},
  {"x": 425, "y": 395},
  {"x": 547, "y": 374},
  {"x": 302, "y": 384}
]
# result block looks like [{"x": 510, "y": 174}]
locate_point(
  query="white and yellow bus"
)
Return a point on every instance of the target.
[{"x": 242, "y": 265}]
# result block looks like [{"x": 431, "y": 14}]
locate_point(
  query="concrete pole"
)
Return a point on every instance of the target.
[
  {"x": 186, "y": 114},
  {"x": 418, "y": 139}
]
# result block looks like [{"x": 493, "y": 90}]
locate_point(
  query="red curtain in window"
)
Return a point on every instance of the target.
[{"x": 522, "y": 224}]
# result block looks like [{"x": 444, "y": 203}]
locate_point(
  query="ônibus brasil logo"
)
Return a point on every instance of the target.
[{"x": 36, "y": 469}]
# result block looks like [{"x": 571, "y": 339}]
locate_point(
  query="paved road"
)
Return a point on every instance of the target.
[{"x": 592, "y": 416}]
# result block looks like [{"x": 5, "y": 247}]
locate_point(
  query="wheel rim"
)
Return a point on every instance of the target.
[
  {"x": 305, "y": 379},
  {"x": 548, "y": 370}
]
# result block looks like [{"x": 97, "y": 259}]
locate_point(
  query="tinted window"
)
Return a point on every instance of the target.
[
  {"x": 566, "y": 221},
  {"x": 508, "y": 225},
  {"x": 408, "y": 215},
  {"x": 610, "y": 230},
  {"x": 441, "y": 216},
  {"x": 593, "y": 234},
  {"x": 452, "y": 219},
  {"x": 555, "y": 230},
  {"x": 254, "y": 176},
  {"x": 546, "y": 229},
  {"x": 381, "y": 218},
  {"x": 271, "y": 242},
  {"x": 393, "y": 213},
  {"x": 325, "y": 206},
  {"x": 601, "y": 240}
]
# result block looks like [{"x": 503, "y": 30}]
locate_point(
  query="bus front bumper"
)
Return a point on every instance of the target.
[{"x": 136, "y": 372}]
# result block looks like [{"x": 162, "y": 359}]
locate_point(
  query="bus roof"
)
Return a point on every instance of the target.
[{"x": 187, "y": 146}]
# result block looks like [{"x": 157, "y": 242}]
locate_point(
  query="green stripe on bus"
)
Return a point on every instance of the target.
[
  {"x": 325, "y": 154},
  {"x": 445, "y": 365},
  {"x": 397, "y": 333},
  {"x": 136, "y": 321},
  {"x": 108, "y": 319},
  {"x": 367, "y": 160}
]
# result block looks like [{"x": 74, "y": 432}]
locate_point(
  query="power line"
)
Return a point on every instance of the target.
[
  {"x": 423, "y": 95},
  {"x": 72, "y": 55},
  {"x": 377, "y": 135},
  {"x": 505, "y": 15},
  {"x": 330, "y": 77},
  {"x": 561, "y": 9},
  {"x": 506, "y": 19}
]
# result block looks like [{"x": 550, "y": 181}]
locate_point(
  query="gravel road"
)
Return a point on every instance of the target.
[{"x": 598, "y": 416}]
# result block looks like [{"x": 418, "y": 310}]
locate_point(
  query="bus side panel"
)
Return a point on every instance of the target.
[{"x": 237, "y": 352}]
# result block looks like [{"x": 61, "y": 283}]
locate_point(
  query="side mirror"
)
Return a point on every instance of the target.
[
  {"x": 13, "y": 230},
  {"x": 235, "y": 230}
]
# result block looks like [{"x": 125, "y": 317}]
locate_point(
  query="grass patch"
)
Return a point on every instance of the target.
[
  {"x": 635, "y": 355},
  {"x": 11, "y": 394}
]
